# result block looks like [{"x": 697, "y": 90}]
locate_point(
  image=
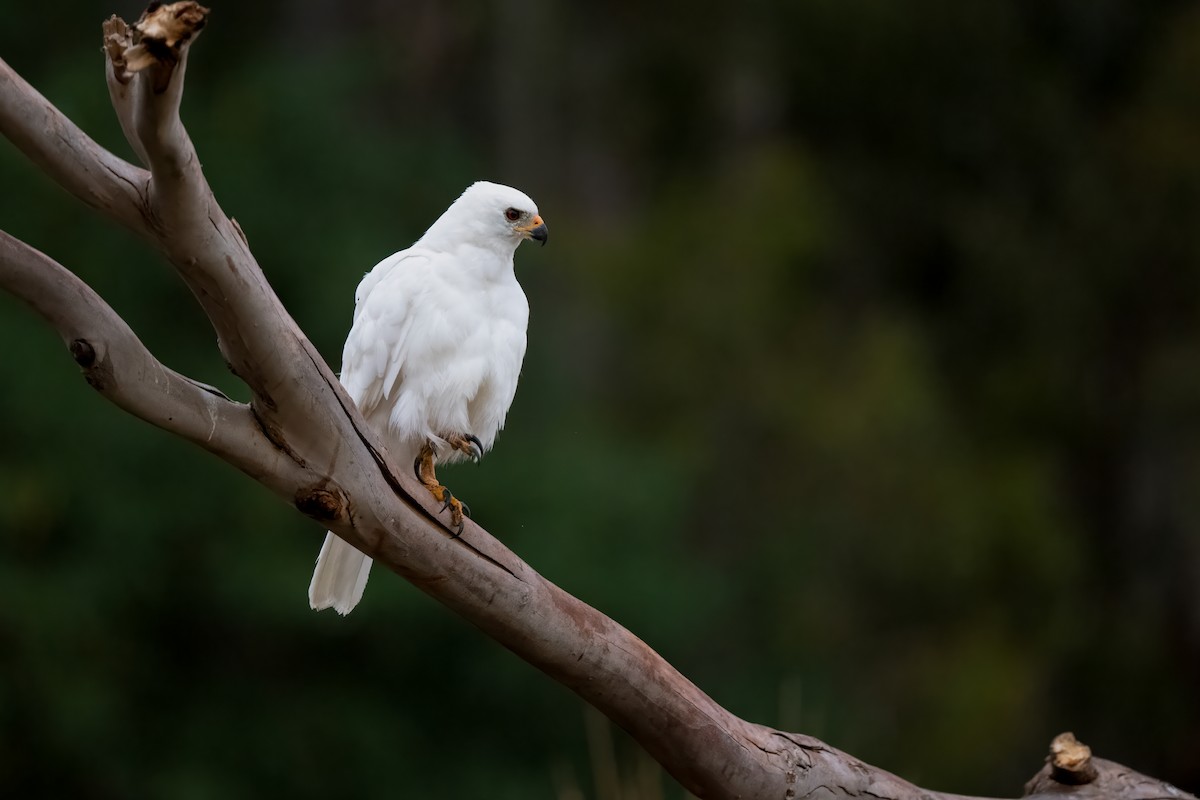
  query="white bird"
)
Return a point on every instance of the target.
[{"x": 434, "y": 353}]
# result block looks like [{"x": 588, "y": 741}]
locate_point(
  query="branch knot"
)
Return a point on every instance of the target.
[
  {"x": 83, "y": 353},
  {"x": 320, "y": 503}
]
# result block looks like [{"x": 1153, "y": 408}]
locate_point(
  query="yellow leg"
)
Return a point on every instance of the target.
[{"x": 426, "y": 474}]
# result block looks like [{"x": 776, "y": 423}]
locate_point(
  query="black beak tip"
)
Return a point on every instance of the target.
[{"x": 540, "y": 234}]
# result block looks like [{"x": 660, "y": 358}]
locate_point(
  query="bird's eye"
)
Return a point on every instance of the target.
[{"x": 512, "y": 215}]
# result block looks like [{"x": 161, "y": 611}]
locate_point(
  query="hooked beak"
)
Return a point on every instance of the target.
[{"x": 536, "y": 229}]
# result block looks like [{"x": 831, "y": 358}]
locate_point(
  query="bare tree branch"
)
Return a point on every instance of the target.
[
  {"x": 68, "y": 156},
  {"x": 302, "y": 437},
  {"x": 116, "y": 364}
]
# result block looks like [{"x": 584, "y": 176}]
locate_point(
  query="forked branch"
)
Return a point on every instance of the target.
[
  {"x": 301, "y": 437},
  {"x": 116, "y": 364}
]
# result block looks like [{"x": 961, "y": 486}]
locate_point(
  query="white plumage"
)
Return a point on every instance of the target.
[{"x": 434, "y": 353}]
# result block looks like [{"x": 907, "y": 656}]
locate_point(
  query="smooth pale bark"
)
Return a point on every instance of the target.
[{"x": 302, "y": 438}]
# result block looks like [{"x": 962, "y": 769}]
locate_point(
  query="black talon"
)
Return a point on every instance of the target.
[
  {"x": 417, "y": 467},
  {"x": 448, "y": 498},
  {"x": 458, "y": 532},
  {"x": 466, "y": 509},
  {"x": 478, "y": 446}
]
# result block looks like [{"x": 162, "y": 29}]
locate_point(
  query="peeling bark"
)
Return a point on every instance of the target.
[{"x": 302, "y": 438}]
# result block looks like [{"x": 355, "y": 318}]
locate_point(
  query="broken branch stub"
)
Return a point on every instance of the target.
[
  {"x": 1071, "y": 760},
  {"x": 158, "y": 37}
]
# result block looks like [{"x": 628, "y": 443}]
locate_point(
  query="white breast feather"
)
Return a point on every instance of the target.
[{"x": 434, "y": 349}]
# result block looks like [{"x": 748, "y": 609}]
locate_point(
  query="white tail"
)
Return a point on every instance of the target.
[{"x": 340, "y": 577}]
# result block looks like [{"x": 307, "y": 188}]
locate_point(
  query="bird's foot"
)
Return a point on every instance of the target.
[
  {"x": 468, "y": 444},
  {"x": 458, "y": 509},
  {"x": 424, "y": 467}
]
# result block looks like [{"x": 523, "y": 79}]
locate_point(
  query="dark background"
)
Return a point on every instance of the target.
[{"x": 863, "y": 384}]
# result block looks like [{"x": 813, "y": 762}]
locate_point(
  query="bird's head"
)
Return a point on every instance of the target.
[{"x": 492, "y": 214}]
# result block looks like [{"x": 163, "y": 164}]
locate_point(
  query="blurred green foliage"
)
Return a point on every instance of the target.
[{"x": 862, "y": 384}]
